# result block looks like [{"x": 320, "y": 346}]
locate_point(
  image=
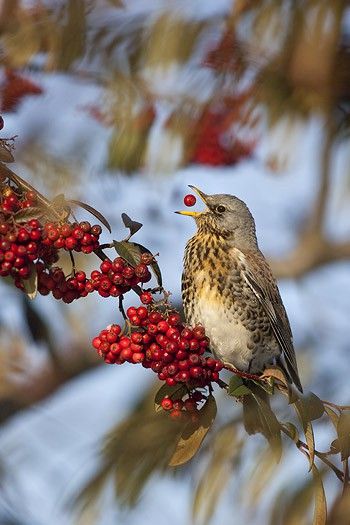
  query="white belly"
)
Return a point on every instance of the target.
[{"x": 228, "y": 337}]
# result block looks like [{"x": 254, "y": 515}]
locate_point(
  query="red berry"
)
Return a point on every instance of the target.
[
  {"x": 175, "y": 414},
  {"x": 174, "y": 319},
  {"x": 146, "y": 298},
  {"x": 142, "y": 312},
  {"x": 190, "y": 200},
  {"x": 167, "y": 403}
]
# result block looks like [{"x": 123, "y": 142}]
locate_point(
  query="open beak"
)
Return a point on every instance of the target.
[{"x": 203, "y": 197}]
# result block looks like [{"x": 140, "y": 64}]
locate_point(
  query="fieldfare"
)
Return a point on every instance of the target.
[{"x": 228, "y": 288}]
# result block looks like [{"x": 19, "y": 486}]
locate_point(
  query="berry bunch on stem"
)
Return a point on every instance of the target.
[{"x": 155, "y": 337}]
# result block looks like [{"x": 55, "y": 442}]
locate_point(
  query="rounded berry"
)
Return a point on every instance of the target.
[{"x": 190, "y": 200}]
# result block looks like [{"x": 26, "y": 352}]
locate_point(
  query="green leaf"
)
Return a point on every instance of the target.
[
  {"x": 234, "y": 383},
  {"x": 241, "y": 391},
  {"x": 237, "y": 388},
  {"x": 31, "y": 284},
  {"x": 343, "y": 430},
  {"x": 133, "y": 226},
  {"x": 174, "y": 392},
  {"x": 320, "y": 512},
  {"x": 132, "y": 251},
  {"x": 193, "y": 434}
]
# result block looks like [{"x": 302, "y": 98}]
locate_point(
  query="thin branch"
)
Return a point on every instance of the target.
[{"x": 323, "y": 457}]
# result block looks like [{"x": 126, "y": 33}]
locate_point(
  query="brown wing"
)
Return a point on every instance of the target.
[{"x": 258, "y": 275}]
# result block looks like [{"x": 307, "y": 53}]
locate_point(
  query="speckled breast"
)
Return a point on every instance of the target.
[{"x": 216, "y": 296}]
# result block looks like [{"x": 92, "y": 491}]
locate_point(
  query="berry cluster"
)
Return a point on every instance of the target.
[
  {"x": 179, "y": 408},
  {"x": 211, "y": 147},
  {"x": 160, "y": 342},
  {"x": 80, "y": 237},
  {"x": 12, "y": 203},
  {"x": 20, "y": 246},
  {"x": 112, "y": 280}
]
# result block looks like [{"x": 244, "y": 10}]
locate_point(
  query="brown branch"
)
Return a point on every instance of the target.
[
  {"x": 46, "y": 380},
  {"x": 323, "y": 457}
]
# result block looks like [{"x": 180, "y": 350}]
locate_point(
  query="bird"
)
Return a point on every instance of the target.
[{"x": 228, "y": 288}]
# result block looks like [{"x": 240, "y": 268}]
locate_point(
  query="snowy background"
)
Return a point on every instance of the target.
[{"x": 49, "y": 450}]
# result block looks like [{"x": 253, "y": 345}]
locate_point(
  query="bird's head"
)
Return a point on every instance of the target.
[{"x": 224, "y": 215}]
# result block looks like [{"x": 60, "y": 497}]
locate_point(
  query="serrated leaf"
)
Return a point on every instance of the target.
[
  {"x": 193, "y": 434},
  {"x": 320, "y": 512},
  {"x": 133, "y": 226},
  {"x": 132, "y": 251},
  {"x": 31, "y": 284},
  {"x": 343, "y": 431},
  {"x": 93, "y": 212},
  {"x": 174, "y": 392}
]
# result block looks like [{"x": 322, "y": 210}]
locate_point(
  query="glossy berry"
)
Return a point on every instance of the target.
[{"x": 190, "y": 200}]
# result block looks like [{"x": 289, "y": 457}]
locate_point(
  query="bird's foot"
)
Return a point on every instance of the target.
[{"x": 245, "y": 375}]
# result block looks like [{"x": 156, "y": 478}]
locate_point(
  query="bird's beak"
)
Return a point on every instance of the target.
[{"x": 203, "y": 197}]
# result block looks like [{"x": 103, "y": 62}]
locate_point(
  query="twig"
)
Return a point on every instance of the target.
[
  {"x": 305, "y": 449},
  {"x": 121, "y": 307},
  {"x": 334, "y": 405},
  {"x": 231, "y": 368}
]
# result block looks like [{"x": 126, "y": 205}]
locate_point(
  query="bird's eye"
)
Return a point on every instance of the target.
[{"x": 220, "y": 209}]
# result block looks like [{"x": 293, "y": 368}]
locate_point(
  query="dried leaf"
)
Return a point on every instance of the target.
[
  {"x": 293, "y": 432},
  {"x": 193, "y": 434},
  {"x": 313, "y": 406},
  {"x": 320, "y": 512},
  {"x": 270, "y": 426},
  {"x": 343, "y": 430},
  {"x": 308, "y": 430},
  {"x": 31, "y": 284},
  {"x": 174, "y": 392},
  {"x": 133, "y": 226},
  {"x": 93, "y": 212},
  {"x": 333, "y": 416},
  {"x": 5, "y": 153}
]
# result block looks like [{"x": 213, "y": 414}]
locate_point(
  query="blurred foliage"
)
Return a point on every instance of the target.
[
  {"x": 272, "y": 58},
  {"x": 147, "y": 443},
  {"x": 260, "y": 63}
]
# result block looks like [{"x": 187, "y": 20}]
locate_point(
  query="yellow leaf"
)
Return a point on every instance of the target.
[
  {"x": 193, "y": 434},
  {"x": 320, "y": 512}
]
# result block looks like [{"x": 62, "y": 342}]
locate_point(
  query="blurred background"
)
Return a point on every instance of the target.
[{"x": 122, "y": 104}]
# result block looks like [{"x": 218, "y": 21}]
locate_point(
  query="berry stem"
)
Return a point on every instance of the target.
[
  {"x": 245, "y": 375},
  {"x": 121, "y": 307}
]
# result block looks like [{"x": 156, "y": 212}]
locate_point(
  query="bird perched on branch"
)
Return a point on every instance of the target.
[{"x": 228, "y": 288}]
